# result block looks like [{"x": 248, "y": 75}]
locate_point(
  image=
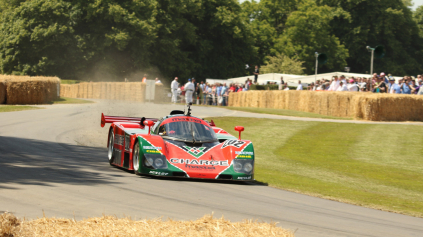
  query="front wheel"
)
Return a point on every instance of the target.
[
  {"x": 111, "y": 149},
  {"x": 136, "y": 158}
]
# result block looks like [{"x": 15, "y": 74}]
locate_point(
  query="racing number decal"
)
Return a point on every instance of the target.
[{"x": 234, "y": 143}]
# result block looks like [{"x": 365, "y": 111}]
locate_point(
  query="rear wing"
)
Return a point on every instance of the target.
[{"x": 111, "y": 119}]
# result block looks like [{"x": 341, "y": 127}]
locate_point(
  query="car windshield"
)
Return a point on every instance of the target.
[{"x": 188, "y": 131}]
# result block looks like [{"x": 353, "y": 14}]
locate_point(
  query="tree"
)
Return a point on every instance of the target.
[
  {"x": 371, "y": 23},
  {"x": 68, "y": 39},
  {"x": 266, "y": 19},
  {"x": 308, "y": 30},
  {"x": 283, "y": 64}
]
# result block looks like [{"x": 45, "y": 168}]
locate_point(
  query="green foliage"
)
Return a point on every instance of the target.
[
  {"x": 384, "y": 22},
  {"x": 114, "y": 39},
  {"x": 309, "y": 30},
  {"x": 283, "y": 64},
  {"x": 109, "y": 39}
]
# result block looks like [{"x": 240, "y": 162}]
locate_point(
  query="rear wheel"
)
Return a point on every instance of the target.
[
  {"x": 111, "y": 149},
  {"x": 136, "y": 158}
]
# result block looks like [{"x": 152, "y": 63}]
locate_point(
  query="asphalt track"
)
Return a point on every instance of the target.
[{"x": 53, "y": 161}]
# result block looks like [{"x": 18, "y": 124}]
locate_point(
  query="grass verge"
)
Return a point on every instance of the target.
[
  {"x": 13, "y": 108},
  {"x": 377, "y": 166},
  {"x": 284, "y": 112},
  {"x": 65, "y": 100},
  {"x": 112, "y": 226},
  {"x": 69, "y": 81}
]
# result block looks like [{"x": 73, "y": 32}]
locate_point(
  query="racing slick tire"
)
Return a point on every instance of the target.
[
  {"x": 136, "y": 159},
  {"x": 111, "y": 149}
]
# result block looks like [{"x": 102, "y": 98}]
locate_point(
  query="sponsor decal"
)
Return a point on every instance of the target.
[
  {"x": 248, "y": 177},
  {"x": 243, "y": 156},
  {"x": 153, "y": 151},
  {"x": 187, "y": 120},
  {"x": 195, "y": 151},
  {"x": 152, "y": 148},
  {"x": 199, "y": 162},
  {"x": 244, "y": 153},
  {"x": 197, "y": 167},
  {"x": 234, "y": 143},
  {"x": 158, "y": 173}
]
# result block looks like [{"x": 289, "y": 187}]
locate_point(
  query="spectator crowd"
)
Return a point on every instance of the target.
[
  {"x": 376, "y": 84},
  {"x": 217, "y": 93}
]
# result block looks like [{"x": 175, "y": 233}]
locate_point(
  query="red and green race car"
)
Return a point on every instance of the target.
[{"x": 178, "y": 145}]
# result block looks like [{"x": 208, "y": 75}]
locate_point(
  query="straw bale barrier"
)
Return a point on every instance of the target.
[
  {"x": 159, "y": 93},
  {"x": 28, "y": 90},
  {"x": 112, "y": 226},
  {"x": 130, "y": 91},
  {"x": 367, "y": 106},
  {"x": 2, "y": 91}
]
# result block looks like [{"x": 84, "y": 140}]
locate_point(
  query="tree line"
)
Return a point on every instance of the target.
[{"x": 117, "y": 39}]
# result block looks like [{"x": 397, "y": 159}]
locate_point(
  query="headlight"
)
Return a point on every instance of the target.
[
  {"x": 149, "y": 161},
  {"x": 237, "y": 167},
  {"x": 158, "y": 162},
  {"x": 248, "y": 167},
  {"x": 243, "y": 165},
  {"x": 155, "y": 161}
]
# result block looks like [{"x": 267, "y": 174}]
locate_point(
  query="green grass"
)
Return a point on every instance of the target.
[
  {"x": 284, "y": 112},
  {"x": 13, "y": 108},
  {"x": 69, "y": 81},
  {"x": 65, "y": 100},
  {"x": 377, "y": 166}
]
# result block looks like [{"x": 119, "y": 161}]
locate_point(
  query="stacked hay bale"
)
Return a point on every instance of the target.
[
  {"x": 368, "y": 106},
  {"x": 2, "y": 90},
  {"x": 130, "y": 91},
  {"x": 159, "y": 93},
  {"x": 30, "y": 90}
]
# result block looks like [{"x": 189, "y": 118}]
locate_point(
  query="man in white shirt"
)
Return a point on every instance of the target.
[
  {"x": 334, "y": 85},
  {"x": 174, "y": 88},
  {"x": 158, "y": 81},
  {"x": 342, "y": 87},
  {"x": 300, "y": 86},
  {"x": 189, "y": 90},
  {"x": 352, "y": 86}
]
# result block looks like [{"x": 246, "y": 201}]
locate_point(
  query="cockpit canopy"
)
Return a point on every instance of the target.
[{"x": 187, "y": 129}]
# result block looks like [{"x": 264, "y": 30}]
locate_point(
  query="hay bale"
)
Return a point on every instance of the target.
[
  {"x": 113, "y": 226},
  {"x": 2, "y": 91},
  {"x": 96, "y": 90},
  {"x": 159, "y": 93},
  {"x": 90, "y": 90},
  {"x": 31, "y": 90}
]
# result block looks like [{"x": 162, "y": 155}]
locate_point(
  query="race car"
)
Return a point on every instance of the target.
[{"x": 178, "y": 145}]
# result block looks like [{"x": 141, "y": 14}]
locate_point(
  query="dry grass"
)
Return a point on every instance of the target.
[
  {"x": 112, "y": 226},
  {"x": 28, "y": 90},
  {"x": 367, "y": 106}
]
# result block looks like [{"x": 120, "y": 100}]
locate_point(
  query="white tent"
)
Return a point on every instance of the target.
[
  {"x": 262, "y": 78},
  {"x": 292, "y": 80}
]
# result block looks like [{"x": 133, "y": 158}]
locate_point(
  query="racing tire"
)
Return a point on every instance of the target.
[
  {"x": 111, "y": 148},
  {"x": 136, "y": 159}
]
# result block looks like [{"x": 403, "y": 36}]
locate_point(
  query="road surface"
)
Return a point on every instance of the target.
[{"x": 53, "y": 161}]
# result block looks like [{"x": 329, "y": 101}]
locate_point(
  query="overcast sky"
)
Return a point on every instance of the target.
[{"x": 417, "y": 3}]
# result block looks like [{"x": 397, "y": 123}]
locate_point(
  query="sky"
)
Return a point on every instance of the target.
[{"x": 417, "y": 3}]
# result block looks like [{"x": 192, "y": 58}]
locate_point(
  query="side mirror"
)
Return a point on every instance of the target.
[
  {"x": 148, "y": 123},
  {"x": 239, "y": 129}
]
